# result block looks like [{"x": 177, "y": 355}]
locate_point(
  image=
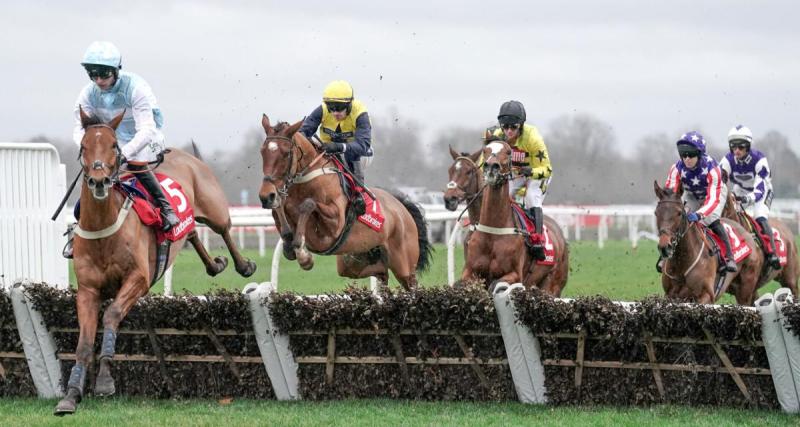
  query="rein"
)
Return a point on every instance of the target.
[
  {"x": 678, "y": 237},
  {"x": 290, "y": 178}
]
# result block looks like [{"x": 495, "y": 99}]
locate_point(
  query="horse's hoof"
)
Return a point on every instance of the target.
[
  {"x": 104, "y": 386},
  {"x": 248, "y": 269},
  {"x": 306, "y": 262},
  {"x": 219, "y": 265},
  {"x": 288, "y": 252},
  {"x": 66, "y": 406}
]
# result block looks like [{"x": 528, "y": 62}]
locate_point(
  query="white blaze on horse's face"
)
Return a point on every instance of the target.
[
  {"x": 458, "y": 165},
  {"x": 495, "y": 147},
  {"x": 272, "y": 146}
]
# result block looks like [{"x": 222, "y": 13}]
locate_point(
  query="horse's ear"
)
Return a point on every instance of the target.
[
  {"x": 114, "y": 123},
  {"x": 453, "y": 153},
  {"x": 476, "y": 155},
  {"x": 265, "y": 123},
  {"x": 659, "y": 190},
  {"x": 84, "y": 117},
  {"x": 293, "y": 128}
]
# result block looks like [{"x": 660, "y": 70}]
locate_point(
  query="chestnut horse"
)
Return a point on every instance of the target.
[
  {"x": 121, "y": 264},
  {"x": 786, "y": 276},
  {"x": 497, "y": 249},
  {"x": 465, "y": 184},
  {"x": 690, "y": 269},
  {"x": 303, "y": 189}
]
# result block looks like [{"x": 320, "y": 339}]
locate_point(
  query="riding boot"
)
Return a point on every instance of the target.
[
  {"x": 148, "y": 179},
  {"x": 772, "y": 255},
  {"x": 67, "y": 251},
  {"x": 358, "y": 204},
  {"x": 535, "y": 214},
  {"x": 719, "y": 230}
]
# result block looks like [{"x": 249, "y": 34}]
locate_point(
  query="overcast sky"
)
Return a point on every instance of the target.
[{"x": 642, "y": 67}]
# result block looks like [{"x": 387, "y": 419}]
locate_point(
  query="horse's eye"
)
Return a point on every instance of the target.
[{"x": 469, "y": 172}]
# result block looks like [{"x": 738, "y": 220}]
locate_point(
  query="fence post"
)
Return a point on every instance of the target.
[
  {"x": 777, "y": 356},
  {"x": 522, "y": 347}
]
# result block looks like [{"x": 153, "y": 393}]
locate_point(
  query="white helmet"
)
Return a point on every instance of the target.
[
  {"x": 102, "y": 53},
  {"x": 740, "y": 132}
]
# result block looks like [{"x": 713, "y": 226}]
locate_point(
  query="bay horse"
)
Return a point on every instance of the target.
[
  {"x": 690, "y": 269},
  {"x": 303, "y": 189},
  {"x": 121, "y": 264},
  {"x": 497, "y": 249},
  {"x": 786, "y": 276}
]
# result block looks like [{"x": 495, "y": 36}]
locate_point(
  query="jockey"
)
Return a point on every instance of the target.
[
  {"x": 111, "y": 92},
  {"x": 344, "y": 127},
  {"x": 703, "y": 191},
  {"x": 529, "y": 155},
  {"x": 748, "y": 172}
]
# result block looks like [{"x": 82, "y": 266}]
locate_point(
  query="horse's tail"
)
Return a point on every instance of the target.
[
  {"x": 425, "y": 247},
  {"x": 196, "y": 151}
]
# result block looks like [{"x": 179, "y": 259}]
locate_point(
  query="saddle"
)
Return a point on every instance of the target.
[
  {"x": 739, "y": 247},
  {"x": 763, "y": 239},
  {"x": 532, "y": 239}
]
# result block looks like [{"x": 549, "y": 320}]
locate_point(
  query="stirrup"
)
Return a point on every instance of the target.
[
  {"x": 730, "y": 266},
  {"x": 774, "y": 261},
  {"x": 537, "y": 250},
  {"x": 70, "y": 233}
]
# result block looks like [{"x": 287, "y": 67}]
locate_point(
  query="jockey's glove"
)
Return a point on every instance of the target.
[
  {"x": 335, "y": 147},
  {"x": 122, "y": 160},
  {"x": 694, "y": 216},
  {"x": 746, "y": 199},
  {"x": 526, "y": 171}
]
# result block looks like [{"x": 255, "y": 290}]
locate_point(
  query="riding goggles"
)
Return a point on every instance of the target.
[
  {"x": 99, "y": 71},
  {"x": 335, "y": 107}
]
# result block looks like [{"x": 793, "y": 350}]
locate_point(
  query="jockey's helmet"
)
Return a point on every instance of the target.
[
  {"x": 338, "y": 95},
  {"x": 511, "y": 112},
  {"x": 691, "y": 141},
  {"x": 740, "y": 136}
]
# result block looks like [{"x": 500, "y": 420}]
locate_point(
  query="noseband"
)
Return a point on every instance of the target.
[
  {"x": 452, "y": 185},
  {"x": 684, "y": 227},
  {"x": 503, "y": 176}
]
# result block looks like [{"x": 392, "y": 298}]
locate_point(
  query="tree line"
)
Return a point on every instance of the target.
[{"x": 590, "y": 166}]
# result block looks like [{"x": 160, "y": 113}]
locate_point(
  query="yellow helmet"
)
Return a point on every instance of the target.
[{"x": 338, "y": 91}]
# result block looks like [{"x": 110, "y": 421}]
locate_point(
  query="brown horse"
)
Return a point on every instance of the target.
[
  {"x": 786, "y": 276},
  {"x": 121, "y": 264},
  {"x": 465, "y": 184},
  {"x": 691, "y": 268},
  {"x": 497, "y": 250},
  {"x": 311, "y": 212}
]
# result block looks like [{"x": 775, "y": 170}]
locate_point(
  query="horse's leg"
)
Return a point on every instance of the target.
[
  {"x": 129, "y": 293},
  {"x": 304, "y": 258},
  {"x": 245, "y": 267},
  {"x": 213, "y": 267},
  {"x": 88, "y": 303}
]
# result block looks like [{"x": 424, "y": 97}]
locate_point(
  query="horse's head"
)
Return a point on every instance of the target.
[
  {"x": 670, "y": 219},
  {"x": 279, "y": 158},
  {"x": 100, "y": 156},
  {"x": 497, "y": 163},
  {"x": 465, "y": 178}
]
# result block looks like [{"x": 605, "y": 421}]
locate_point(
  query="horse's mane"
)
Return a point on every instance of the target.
[{"x": 91, "y": 121}]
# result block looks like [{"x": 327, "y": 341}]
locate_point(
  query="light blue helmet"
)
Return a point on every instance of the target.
[{"x": 102, "y": 53}]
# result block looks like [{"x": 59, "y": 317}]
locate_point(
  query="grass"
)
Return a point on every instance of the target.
[
  {"x": 616, "y": 271},
  {"x": 134, "y": 412}
]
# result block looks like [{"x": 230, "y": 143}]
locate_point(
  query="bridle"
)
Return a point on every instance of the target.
[
  {"x": 100, "y": 165},
  {"x": 453, "y": 185},
  {"x": 682, "y": 230},
  {"x": 289, "y": 176},
  {"x": 502, "y": 176}
]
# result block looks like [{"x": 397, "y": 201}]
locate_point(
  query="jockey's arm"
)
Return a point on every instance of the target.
[
  {"x": 144, "y": 117},
  {"x": 311, "y": 123},
  {"x": 725, "y": 167},
  {"x": 539, "y": 159},
  {"x": 713, "y": 192},
  {"x": 360, "y": 146},
  {"x": 762, "y": 174},
  {"x": 82, "y": 102},
  {"x": 673, "y": 181}
]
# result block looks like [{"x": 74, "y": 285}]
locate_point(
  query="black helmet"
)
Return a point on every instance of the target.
[{"x": 511, "y": 112}]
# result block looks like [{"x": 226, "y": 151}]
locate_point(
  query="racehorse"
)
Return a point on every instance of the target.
[
  {"x": 119, "y": 260},
  {"x": 465, "y": 184},
  {"x": 497, "y": 248},
  {"x": 788, "y": 274},
  {"x": 690, "y": 270},
  {"x": 302, "y": 187}
]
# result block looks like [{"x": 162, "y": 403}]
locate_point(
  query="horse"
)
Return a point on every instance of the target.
[
  {"x": 691, "y": 267},
  {"x": 121, "y": 264},
  {"x": 465, "y": 184},
  {"x": 786, "y": 276},
  {"x": 310, "y": 207},
  {"x": 497, "y": 248}
]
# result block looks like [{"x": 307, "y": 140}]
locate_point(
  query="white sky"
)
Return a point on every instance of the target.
[{"x": 643, "y": 67}]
